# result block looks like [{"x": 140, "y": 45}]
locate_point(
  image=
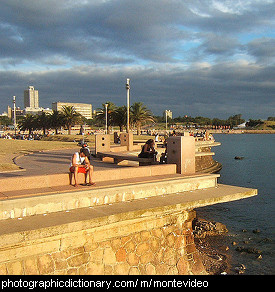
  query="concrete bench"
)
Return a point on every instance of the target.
[{"x": 120, "y": 156}]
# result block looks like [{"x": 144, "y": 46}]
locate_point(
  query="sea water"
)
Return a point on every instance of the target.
[{"x": 255, "y": 170}]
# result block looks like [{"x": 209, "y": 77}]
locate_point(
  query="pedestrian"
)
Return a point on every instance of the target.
[{"x": 81, "y": 164}]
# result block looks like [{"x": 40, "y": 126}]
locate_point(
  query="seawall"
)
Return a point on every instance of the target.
[
  {"x": 146, "y": 233},
  {"x": 158, "y": 243}
]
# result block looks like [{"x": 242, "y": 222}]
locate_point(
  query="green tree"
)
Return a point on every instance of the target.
[
  {"x": 120, "y": 117},
  {"x": 71, "y": 117},
  {"x": 43, "y": 122},
  {"x": 254, "y": 123},
  {"x": 140, "y": 115},
  {"x": 5, "y": 121},
  {"x": 56, "y": 121},
  {"x": 101, "y": 114},
  {"x": 235, "y": 120},
  {"x": 28, "y": 123}
]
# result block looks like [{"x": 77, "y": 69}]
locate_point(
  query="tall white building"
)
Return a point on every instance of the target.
[{"x": 31, "y": 98}]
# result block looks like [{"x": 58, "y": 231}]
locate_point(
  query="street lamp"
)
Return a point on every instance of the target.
[
  {"x": 128, "y": 104},
  {"x": 106, "y": 118},
  {"x": 166, "y": 120},
  {"x": 14, "y": 115}
]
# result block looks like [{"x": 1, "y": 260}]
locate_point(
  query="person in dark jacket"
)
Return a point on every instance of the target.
[{"x": 148, "y": 150}]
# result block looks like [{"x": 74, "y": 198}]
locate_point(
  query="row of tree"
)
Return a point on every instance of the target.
[
  {"x": 117, "y": 116},
  {"x": 68, "y": 117},
  {"x": 232, "y": 121}
]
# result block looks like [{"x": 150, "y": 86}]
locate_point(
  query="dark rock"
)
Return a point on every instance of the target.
[
  {"x": 203, "y": 228},
  {"x": 256, "y": 231},
  {"x": 266, "y": 239},
  {"x": 241, "y": 269},
  {"x": 238, "y": 157},
  {"x": 251, "y": 250}
]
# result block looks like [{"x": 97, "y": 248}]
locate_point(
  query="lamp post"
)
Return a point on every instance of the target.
[
  {"x": 14, "y": 115},
  {"x": 106, "y": 118},
  {"x": 166, "y": 120},
  {"x": 128, "y": 104}
]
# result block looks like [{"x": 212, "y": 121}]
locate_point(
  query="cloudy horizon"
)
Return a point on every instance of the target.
[{"x": 211, "y": 58}]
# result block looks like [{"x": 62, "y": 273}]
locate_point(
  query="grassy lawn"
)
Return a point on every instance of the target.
[{"x": 11, "y": 148}]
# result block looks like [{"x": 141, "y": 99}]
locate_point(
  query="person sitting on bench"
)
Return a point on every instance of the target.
[
  {"x": 81, "y": 164},
  {"x": 148, "y": 150}
]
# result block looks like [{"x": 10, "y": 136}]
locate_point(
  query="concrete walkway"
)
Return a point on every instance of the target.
[
  {"x": 80, "y": 218},
  {"x": 50, "y": 162}
]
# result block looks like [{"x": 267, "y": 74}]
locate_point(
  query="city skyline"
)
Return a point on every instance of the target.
[{"x": 213, "y": 58}]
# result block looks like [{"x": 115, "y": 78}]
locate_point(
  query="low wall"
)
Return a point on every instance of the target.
[
  {"x": 54, "y": 180},
  {"x": 150, "y": 243}
]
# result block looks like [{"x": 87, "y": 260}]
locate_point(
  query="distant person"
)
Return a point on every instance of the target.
[
  {"x": 173, "y": 133},
  {"x": 148, "y": 150},
  {"x": 163, "y": 157},
  {"x": 156, "y": 137},
  {"x": 81, "y": 164}
]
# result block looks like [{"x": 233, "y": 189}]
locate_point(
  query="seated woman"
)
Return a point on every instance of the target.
[
  {"x": 148, "y": 150},
  {"x": 81, "y": 164}
]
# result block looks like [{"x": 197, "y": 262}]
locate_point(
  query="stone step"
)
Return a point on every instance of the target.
[
  {"x": 13, "y": 232},
  {"x": 47, "y": 200}
]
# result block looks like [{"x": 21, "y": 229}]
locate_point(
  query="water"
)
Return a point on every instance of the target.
[{"x": 256, "y": 170}]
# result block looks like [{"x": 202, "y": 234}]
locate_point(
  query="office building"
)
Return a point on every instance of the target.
[
  {"x": 18, "y": 110},
  {"x": 85, "y": 109}
]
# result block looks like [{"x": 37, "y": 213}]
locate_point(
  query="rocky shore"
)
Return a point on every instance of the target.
[
  {"x": 217, "y": 248},
  {"x": 209, "y": 240}
]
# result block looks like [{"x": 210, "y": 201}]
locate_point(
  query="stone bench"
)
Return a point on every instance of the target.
[{"x": 120, "y": 156}]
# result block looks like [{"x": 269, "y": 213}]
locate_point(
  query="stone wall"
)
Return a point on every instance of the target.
[
  {"x": 205, "y": 163},
  {"x": 155, "y": 245}
]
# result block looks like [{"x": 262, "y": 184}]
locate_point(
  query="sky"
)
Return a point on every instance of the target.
[{"x": 212, "y": 58}]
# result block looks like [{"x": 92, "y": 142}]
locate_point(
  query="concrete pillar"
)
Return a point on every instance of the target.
[
  {"x": 116, "y": 137},
  {"x": 127, "y": 139},
  {"x": 102, "y": 143},
  {"x": 181, "y": 151}
]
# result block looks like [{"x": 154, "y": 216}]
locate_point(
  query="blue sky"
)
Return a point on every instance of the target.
[{"x": 212, "y": 58}]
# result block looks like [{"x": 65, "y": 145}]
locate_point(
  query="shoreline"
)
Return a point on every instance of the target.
[
  {"x": 210, "y": 243},
  {"x": 242, "y": 132}
]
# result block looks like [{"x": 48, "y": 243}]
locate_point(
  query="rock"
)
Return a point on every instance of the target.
[
  {"x": 241, "y": 269},
  {"x": 238, "y": 157},
  {"x": 234, "y": 243},
  {"x": 251, "y": 250},
  {"x": 256, "y": 231},
  {"x": 244, "y": 230},
  {"x": 203, "y": 228},
  {"x": 266, "y": 239},
  {"x": 243, "y": 266}
]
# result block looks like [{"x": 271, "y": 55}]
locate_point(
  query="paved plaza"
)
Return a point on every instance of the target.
[{"x": 50, "y": 162}]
